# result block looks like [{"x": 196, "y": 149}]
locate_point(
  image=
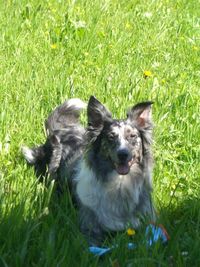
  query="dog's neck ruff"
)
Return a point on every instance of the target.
[{"x": 114, "y": 201}]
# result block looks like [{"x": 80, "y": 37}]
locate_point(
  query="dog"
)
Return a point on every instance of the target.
[{"x": 108, "y": 165}]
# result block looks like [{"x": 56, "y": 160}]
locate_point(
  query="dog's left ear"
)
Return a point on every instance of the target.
[
  {"x": 97, "y": 114},
  {"x": 140, "y": 114}
]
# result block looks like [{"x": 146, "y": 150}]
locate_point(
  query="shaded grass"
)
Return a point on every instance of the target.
[{"x": 53, "y": 50}]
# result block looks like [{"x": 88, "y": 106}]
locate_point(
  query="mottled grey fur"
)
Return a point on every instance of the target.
[{"x": 108, "y": 165}]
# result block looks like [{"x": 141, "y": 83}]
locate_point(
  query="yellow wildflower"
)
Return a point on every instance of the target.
[
  {"x": 130, "y": 231},
  {"x": 195, "y": 48},
  {"x": 173, "y": 186},
  {"x": 128, "y": 26},
  {"x": 147, "y": 73},
  {"x": 54, "y": 46}
]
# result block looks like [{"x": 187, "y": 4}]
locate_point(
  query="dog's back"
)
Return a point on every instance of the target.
[{"x": 64, "y": 143}]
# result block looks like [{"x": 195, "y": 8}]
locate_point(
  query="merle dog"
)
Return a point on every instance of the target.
[{"x": 108, "y": 165}]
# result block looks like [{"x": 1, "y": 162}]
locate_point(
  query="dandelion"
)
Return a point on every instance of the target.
[
  {"x": 54, "y": 46},
  {"x": 195, "y": 48},
  {"x": 130, "y": 231},
  {"x": 147, "y": 73},
  {"x": 128, "y": 26},
  {"x": 173, "y": 186}
]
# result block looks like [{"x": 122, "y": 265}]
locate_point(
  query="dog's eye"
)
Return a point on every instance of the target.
[
  {"x": 112, "y": 136},
  {"x": 133, "y": 136}
]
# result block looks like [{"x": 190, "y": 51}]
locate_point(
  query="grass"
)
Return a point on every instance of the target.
[{"x": 53, "y": 50}]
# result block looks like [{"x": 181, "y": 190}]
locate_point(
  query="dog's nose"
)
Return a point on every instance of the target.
[{"x": 123, "y": 154}]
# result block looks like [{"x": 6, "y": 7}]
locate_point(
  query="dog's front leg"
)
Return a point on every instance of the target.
[
  {"x": 146, "y": 207},
  {"x": 90, "y": 227}
]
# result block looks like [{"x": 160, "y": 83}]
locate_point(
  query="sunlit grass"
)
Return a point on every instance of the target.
[{"x": 122, "y": 52}]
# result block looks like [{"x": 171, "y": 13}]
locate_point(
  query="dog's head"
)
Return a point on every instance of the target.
[{"x": 119, "y": 143}]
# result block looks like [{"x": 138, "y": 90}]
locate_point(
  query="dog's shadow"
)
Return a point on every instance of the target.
[
  {"x": 182, "y": 222},
  {"x": 51, "y": 237},
  {"x": 42, "y": 230}
]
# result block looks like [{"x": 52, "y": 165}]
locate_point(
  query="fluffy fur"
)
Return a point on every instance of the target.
[{"x": 108, "y": 165}]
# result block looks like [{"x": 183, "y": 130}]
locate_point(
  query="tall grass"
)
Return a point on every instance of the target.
[{"x": 53, "y": 50}]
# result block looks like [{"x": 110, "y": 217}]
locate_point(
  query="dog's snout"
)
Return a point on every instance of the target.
[{"x": 123, "y": 154}]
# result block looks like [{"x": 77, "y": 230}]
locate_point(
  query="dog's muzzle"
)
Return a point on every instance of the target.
[{"x": 125, "y": 161}]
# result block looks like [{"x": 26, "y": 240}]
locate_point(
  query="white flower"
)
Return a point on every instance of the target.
[{"x": 148, "y": 15}]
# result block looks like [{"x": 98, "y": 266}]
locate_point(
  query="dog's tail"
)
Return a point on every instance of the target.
[
  {"x": 65, "y": 115},
  {"x": 64, "y": 138}
]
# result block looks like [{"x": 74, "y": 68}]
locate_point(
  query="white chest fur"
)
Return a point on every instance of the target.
[{"x": 113, "y": 202}]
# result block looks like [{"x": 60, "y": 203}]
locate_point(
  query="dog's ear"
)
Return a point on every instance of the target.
[
  {"x": 140, "y": 114},
  {"x": 97, "y": 114}
]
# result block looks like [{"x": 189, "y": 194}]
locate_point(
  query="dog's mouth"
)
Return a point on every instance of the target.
[{"x": 124, "y": 168}]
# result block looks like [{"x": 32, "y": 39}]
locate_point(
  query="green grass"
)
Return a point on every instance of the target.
[{"x": 53, "y": 50}]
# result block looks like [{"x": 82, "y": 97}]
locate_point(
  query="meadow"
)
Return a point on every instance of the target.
[{"x": 122, "y": 52}]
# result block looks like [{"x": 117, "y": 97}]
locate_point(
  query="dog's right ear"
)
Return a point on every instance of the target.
[
  {"x": 140, "y": 114},
  {"x": 97, "y": 114}
]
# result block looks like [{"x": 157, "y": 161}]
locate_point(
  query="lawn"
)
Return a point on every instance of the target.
[{"x": 54, "y": 50}]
